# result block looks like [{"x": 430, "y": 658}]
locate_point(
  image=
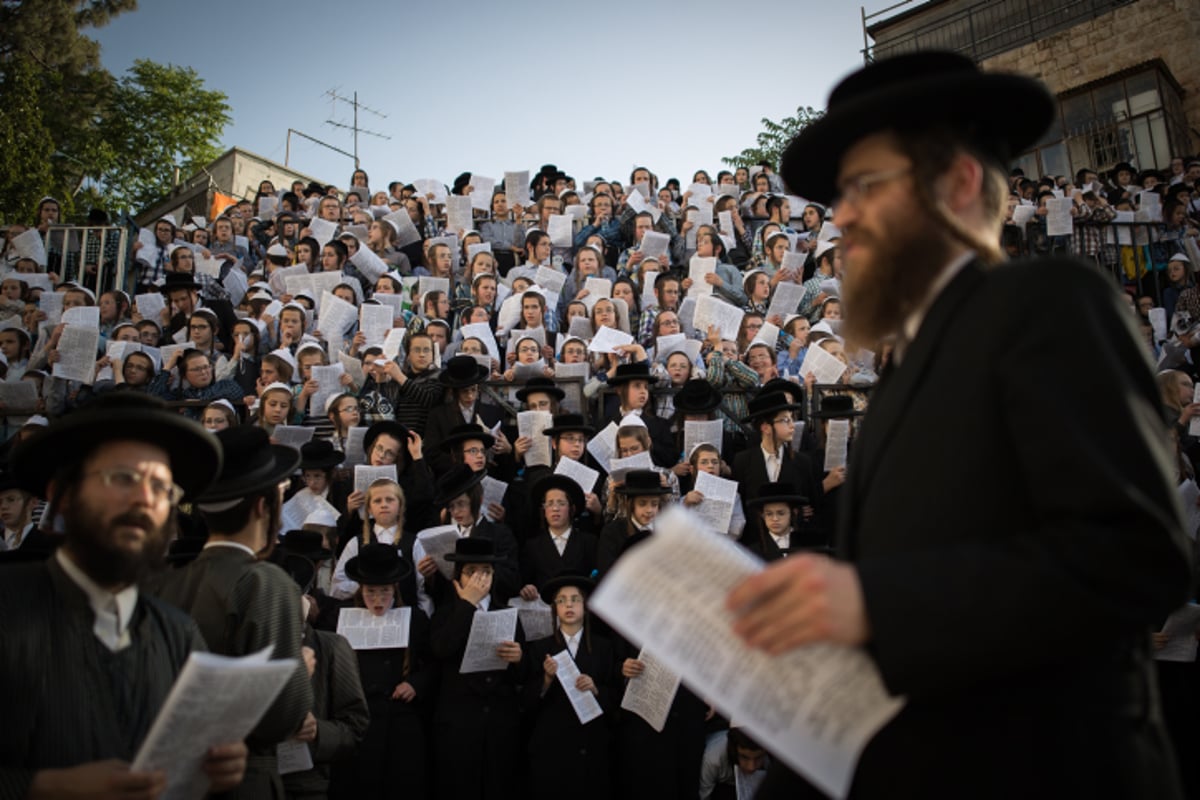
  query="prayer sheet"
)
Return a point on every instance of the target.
[
  {"x": 531, "y": 424},
  {"x": 1158, "y": 322},
  {"x": 698, "y": 267},
  {"x": 1181, "y": 626},
  {"x": 374, "y": 322},
  {"x": 267, "y": 206},
  {"x": 523, "y": 372},
  {"x": 537, "y": 618},
  {"x": 1022, "y": 215},
  {"x": 816, "y": 705},
  {"x": 837, "y": 443},
  {"x": 77, "y": 349},
  {"x": 293, "y": 435},
  {"x": 725, "y": 223},
  {"x": 365, "y": 475},
  {"x": 353, "y": 368},
  {"x": 651, "y": 694},
  {"x": 488, "y": 630},
  {"x": 428, "y": 283},
  {"x": 236, "y": 283},
  {"x": 769, "y": 335},
  {"x": 433, "y": 190},
  {"x": 582, "y": 474},
  {"x": 330, "y": 381},
  {"x": 483, "y": 332},
  {"x": 29, "y": 244},
  {"x": 481, "y": 192},
  {"x": 585, "y": 704},
  {"x": 826, "y": 368},
  {"x": 608, "y": 339},
  {"x": 516, "y": 189},
  {"x": 550, "y": 279},
  {"x": 168, "y": 350},
  {"x": 335, "y": 318},
  {"x": 712, "y": 311},
  {"x": 493, "y": 492},
  {"x": 1189, "y": 495},
  {"x": 148, "y": 252},
  {"x": 354, "y": 446},
  {"x": 603, "y": 445},
  {"x": 581, "y": 327},
  {"x": 209, "y": 266},
  {"x": 664, "y": 346},
  {"x": 279, "y": 278},
  {"x": 293, "y": 756},
  {"x": 322, "y": 230},
  {"x": 696, "y": 432},
  {"x": 406, "y": 231},
  {"x": 149, "y": 305},
  {"x": 637, "y": 202},
  {"x": 82, "y": 317},
  {"x": 654, "y": 244},
  {"x": 438, "y": 542},
  {"x": 458, "y": 213},
  {"x": 393, "y": 343},
  {"x": 1123, "y": 220},
  {"x": 19, "y": 397},
  {"x": 370, "y": 265},
  {"x": 573, "y": 400},
  {"x": 785, "y": 299},
  {"x": 365, "y": 631},
  {"x": 1058, "y": 216},
  {"x": 798, "y": 435},
  {"x": 215, "y": 700},
  {"x": 51, "y": 304},
  {"x": 598, "y": 288},
  {"x": 561, "y": 230},
  {"x": 618, "y": 468},
  {"x": 481, "y": 247},
  {"x": 298, "y": 508},
  {"x": 720, "y": 497}
]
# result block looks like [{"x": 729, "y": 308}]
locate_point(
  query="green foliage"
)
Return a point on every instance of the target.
[
  {"x": 773, "y": 138},
  {"x": 25, "y": 147}
]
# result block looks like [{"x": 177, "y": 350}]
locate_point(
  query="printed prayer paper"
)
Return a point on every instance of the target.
[
  {"x": 293, "y": 435},
  {"x": 335, "y": 318},
  {"x": 483, "y": 332},
  {"x": 370, "y": 265},
  {"x": 433, "y": 190},
  {"x": 293, "y": 755},
  {"x": 699, "y": 267},
  {"x": 720, "y": 496},
  {"x": 1022, "y": 215},
  {"x": 604, "y": 445},
  {"x": 77, "y": 348},
  {"x": 1181, "y": 627},
  {"x": 697, "y": 432},
  {"x": 654, "y": 244},
  {"x": 209, "y": 266},
  {"x": 82, "y": 316},
  {"x": 712, "y": 311},
  {"x": 573, "y": 401},
  {"x": 531, "y": 424},
  {"x": 298, "y": 508},
  {"x": 585, "y": 704},
  {"x": 551, "y": 279},
  {"x": 581, "y": 327},
  {"x": 322, "y": 230},
  {"x": 481, "y": 192},
  {"x": 406, "y": 231},
  {"x": 374, "y": 322},
  {"x": 516, "y": 189},
  {"x": 651, "y": 694},
  {"x": 598, "y": 287},
  {"x": 354, "y": 446},
  {"x": 365, "y": 631},
  {"x": 582, "y": 474},
  {"x": 1058, "y": 216},
  {"x": 785, "y": 299},
  {"x": 428, "y": 283},
  {"x": 365, "y": 475},
  {"x": 537, "y": 618},
  {"x": 489, "y": 629},
  {"x": 607, "y": 340},
  {"x": 818, "y": 705},
  {"x": 837, "y": 443},
  {"x": 149, "y": 305},
  {"x": 618, "y": 468},
  {"x": 638, "y": 203},
  {"x": 561, "y": 229},
  {"x": 827, "y": 368},
  {"x": 330, "y": 380},
  {"x": 458, "y": 213},
  {"x": 439, "y": 542},
  {"x": 29, "y": 244},
  {"x": 493, "y": 492}
]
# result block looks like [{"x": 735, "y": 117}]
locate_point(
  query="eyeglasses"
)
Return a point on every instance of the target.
[
  {"x": 199, "y": 327},
  {"x": 572, "y": 438},
  {"x": 783, "y": 421},
  {"x": 200, "y": 368},
  {"x": 127, "y": 480},
  {"x": 385, "y": 453},
  {"x": 851, "y": 190},
  {"x": 474, "y": 451}
]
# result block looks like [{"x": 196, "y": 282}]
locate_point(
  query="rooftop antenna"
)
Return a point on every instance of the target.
[{"x": 334, "y": 97}]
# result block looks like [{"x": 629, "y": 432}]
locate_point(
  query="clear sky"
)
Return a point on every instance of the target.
[{"x": 487, "y": 87}]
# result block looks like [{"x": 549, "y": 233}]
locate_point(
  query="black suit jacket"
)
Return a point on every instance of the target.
[
  {"x": 441, "y": 420},
  {"x": 1011, "y": 513},
  {"x": 540, "y": 560}
]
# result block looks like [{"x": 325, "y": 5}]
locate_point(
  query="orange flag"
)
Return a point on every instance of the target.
[{"x": 220, "y": 202}]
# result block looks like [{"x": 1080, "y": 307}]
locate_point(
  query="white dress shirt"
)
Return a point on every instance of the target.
[{"x": 113, "y": 611}]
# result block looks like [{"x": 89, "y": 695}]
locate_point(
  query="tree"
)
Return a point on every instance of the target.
[
  {"x": 159, "y": 117},
  {"x": 25, "y": 148},
  {"x": 773, "y": 138}
]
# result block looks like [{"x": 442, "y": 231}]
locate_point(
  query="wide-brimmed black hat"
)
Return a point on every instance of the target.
[
  {"x": 319, "y": 454},
  {"x": 538, "y": 384},
  {"x": 632, "y": 372},
  {"x": 782, "y": 385},
  {"x": 462, "y": 371},
  {"x": 569, "y": 423},
  {"x": 252, "y": 464},
  {"x": 298, "y": 568},
  {"x": 309, "y": 544},
  {"x": 917, "y": 91},
  {"x": 777, "y": 493},
  {"x": 179, "y": 280},
  {"x": 550, "y": 588},
  {"x": 194, "y": 453},
  {"x": 1123, "y": 166},
  {"x": 642, "y": 482},
  {"x": 314, "y": 189},
  {"x": 377, "y": 565},
  {"x": 574, "y": 493},
  {"x": 467, "y": 432},
  {"x": 473, "y": 550},
  {"x": 458, "y": 481},
  {"x": 834, "y": 406},
  {"x": 391, "y": 428},
  {"x": 697, "y": 396},
  {"x": 765, "y": 405}
]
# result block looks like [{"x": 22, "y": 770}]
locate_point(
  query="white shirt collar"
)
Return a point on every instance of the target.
[
  {"x": 111, "y": 629},
  {"x": 385, "y": 535},
  {"x": 235, "y": 545}
]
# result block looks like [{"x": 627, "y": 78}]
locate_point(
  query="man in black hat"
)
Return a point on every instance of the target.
[
  {"x": 182, "y": 293},
  {"x": 462, "y": 375},
  {"x": 1015, "y": 602},
  {"x": 243, "y": 603},
  {"x": 86, "y": 658}
]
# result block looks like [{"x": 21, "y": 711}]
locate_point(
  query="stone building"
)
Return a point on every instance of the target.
[{"x": 1126, "y": 72}]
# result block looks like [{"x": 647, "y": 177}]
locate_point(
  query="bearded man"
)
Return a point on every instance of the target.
[
  {"x": 1009, "y": 530},
  {"x": 86, "y": 659}
]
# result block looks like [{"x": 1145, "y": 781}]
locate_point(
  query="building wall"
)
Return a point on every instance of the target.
[{"x": 1126, "y": 37}]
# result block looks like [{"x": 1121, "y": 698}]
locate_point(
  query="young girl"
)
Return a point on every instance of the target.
[
  {"x": 641, "y": 496},
  {"x": 562, "y": 751},
  {"x": 382, "y": 523},
  {"x": 218, "y": 416},
  {"x": 274, "y": 406},
  {"x": 396, "y": 681}
]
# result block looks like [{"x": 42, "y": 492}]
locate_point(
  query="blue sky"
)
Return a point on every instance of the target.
[{"x": 484, "y": 88}]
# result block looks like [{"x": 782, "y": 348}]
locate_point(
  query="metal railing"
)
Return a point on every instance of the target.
[{"x": 95, "y": 256}]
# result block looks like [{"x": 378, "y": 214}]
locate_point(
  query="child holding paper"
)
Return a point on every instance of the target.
[{"x": 562, "y": 751}]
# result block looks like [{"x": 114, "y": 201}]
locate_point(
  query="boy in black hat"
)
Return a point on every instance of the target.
[
  {"x": 780, "y": 514},
  {"x": 642, "y": 496},
  {"x": 560, "y": 544},
  {"x": 632, "y": 383},
  {"x": 771, "y": 459},
  {"x": 569, "y": 436},
  {"x": 462, "y": 376},
  {"x": 242, "y": 604}
]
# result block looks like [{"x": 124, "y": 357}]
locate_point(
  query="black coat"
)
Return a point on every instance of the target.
[
  {"x": 437, "y": 427},
  {"x": 540, "y": 560},
  {"x": 750, "y": 470},
  {"x": 1011, "y": 512}
]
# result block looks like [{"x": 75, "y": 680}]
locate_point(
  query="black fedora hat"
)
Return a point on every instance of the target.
[
  {"x": 309, "y": 544},
  {"x": 632, "y": 372},
  {"x": 459, "y": 480},
  {"x": 834, "y": 406},
  {"x": 377, "y": 565},
  {"x": 550, "y": 588},
  {"x": 697, "y": 396},
  {"x": 179, "y": 280},
  {"x": 252, "y": 464},
  {"x": 544, "y": 385},
  {"x": 194, "y": 454},
  {"x": 314, "y": 189},
  {"x": 569, "y": 423},
  {"x": 462, "y": 371},
  {"x": 1123, "y": 166},
  {"x": 473, "y": 550},
  {"x": 783, "y": 385},
  {"x": 916, "y": 91},
  {"x": 465, "y": 433},
  {"x": 391, "y": 428},
  {"x": 319, "y": 454},
  {"x": 642, "y": 482},
  {"x": 298, "y": 568},
  {"x": 777, "y": 493},
  {"x": 765, "y": 405},
  {"x": 568, "y": 485}
]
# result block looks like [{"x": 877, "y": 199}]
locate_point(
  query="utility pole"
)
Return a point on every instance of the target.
[{"x": 355, "y": 105}]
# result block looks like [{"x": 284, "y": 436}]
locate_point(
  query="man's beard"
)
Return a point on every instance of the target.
[
  {"x": 880, "y": 296},
  {"x": 93, "y": 547}
]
